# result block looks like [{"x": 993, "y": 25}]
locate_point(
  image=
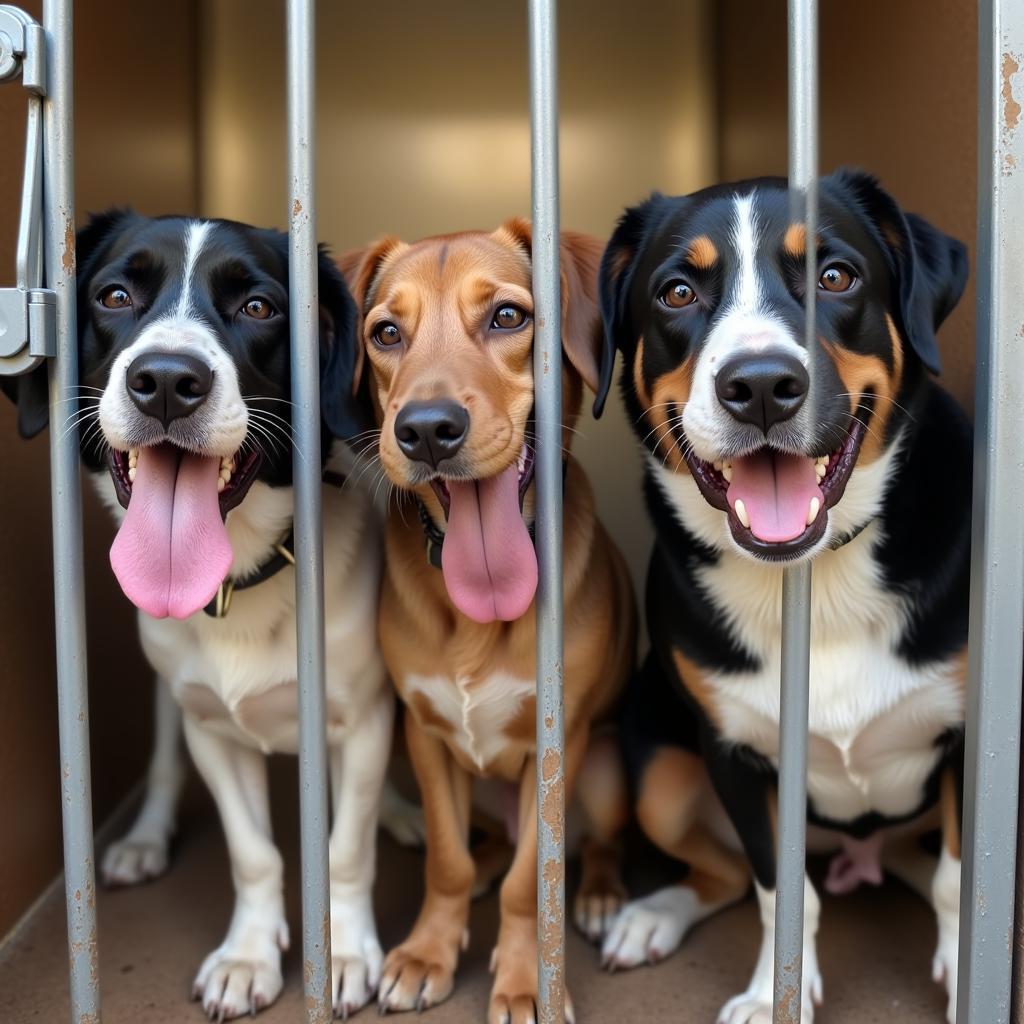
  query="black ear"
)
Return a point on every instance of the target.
[
  {"x": 344, "y": 398},
  {"x": 91, "y": 239},
  {"x": 615, "y": 282},
  {"x": 930, "y": 267},
  {"x": 30, "y": 393}
]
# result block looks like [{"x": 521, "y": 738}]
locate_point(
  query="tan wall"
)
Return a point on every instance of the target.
[
  {"x": 899, "y": 97},
  {"x": 135, "y": 102},
  {"x": 424, "y": 128}
]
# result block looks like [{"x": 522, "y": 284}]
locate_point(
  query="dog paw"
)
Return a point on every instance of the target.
[
  {"x": 131, "y": 861},
  {"x": 514, "y": 1000},
  {"x": 649, "y": 929},
  {"x": 944, "y": 970},
  {"x": 231, "y": 986},
  {"x": 595, "y": 913},
  {"x": 755, "y": 1005},
  {"x": 414, "y": 979},
  {"x": 356, "y": 957}
]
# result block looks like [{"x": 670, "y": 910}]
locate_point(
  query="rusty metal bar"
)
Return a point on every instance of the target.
[
  {"x": 309, "y": 569},
  {"x": 547, "y": 368},
  {"x": 992, "y": 749}
]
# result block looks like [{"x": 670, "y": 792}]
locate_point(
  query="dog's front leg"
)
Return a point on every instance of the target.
[
  {"x": 358, "y": 768},
  {"x": 945, "y": 889},
  {"x": 421, "y": 971},
  {"x": 514, "y": 961},
  {"x": 142, "y": 853},
  {"x": 243, "y": 974}
]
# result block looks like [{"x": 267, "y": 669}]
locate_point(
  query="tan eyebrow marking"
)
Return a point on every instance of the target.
[
  {"x": 795, "y": 242},
  {"x": 702, "y": 253}
]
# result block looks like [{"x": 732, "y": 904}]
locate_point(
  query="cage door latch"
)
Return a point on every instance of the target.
[{"x": 28, "y": 311}]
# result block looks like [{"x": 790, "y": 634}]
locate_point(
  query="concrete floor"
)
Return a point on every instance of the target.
[{"x": 875, "y": 947}]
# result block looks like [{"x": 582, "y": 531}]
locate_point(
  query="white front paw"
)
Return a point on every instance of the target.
[
  {"x": 243, "y": 974},
  {"x": 944, "y": 969},
  {"x": 755, "y": 1005},
  {"x": 356, "y": 957},
  {"x": 649, "y": 929},
  {"x": 135, "y": 859}
]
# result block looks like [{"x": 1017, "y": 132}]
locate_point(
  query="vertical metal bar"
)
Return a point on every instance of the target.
[
  {"x": 547, "y": 369},
  {"x": 796, "y": 581},
  {"x": 66, "y": 497},
  {"x": 309, "y": 583},
  {"x": 997, "y": 555}
]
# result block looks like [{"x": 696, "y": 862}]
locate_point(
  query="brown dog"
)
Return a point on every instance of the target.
[{"x": 448, "y": 329}]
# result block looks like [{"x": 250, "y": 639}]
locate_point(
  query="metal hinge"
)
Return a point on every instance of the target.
[{"x": 28, "y": 311}]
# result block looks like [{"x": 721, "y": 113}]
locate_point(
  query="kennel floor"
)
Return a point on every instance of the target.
[{"x": 875, "y": 947}]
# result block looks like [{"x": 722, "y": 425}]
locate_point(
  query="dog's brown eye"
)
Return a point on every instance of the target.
[
  {"x": 678, "y": 294},
  {"x": 387, "y": 334},
  {"x": 258, "y": 309},
  {"x": 508, "y": 318},
  {"x": 115, "y": 298},
  {"x": 836, "y": 278}
]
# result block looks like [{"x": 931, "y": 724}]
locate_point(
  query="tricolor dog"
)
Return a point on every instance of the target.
[
  {"x": 448, "y": 334},
  {"x": 186, "y": 431},
  {"x": 762, "y": 452}
]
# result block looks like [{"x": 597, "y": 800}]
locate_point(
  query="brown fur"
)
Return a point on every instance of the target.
[
  {"x": 440, "y": 293},
  {"x": 860, "y": 374},
  {"x": 702, "y": 253}
]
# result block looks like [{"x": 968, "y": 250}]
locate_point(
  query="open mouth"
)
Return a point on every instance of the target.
[
  {"x": 524, "y": 467},
  {"x": 488, "y": 559},
  {"x": 235, "y": 478},
  {"x": 777, "y": 503}
]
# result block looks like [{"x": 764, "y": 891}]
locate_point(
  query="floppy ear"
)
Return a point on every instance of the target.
[
  {"x": 344, "y": 402},
  {"x": 930, "y": 267},
  {"x": 582, "y": 343},
  {"x": 615, "y": 279},
  {"x": 30, "y": 391}
]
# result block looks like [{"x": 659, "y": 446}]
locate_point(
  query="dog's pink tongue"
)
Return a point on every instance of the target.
[
  {"x": 172, "y": 551},
  {"x": 489, "y": 565},
  {"x": 776, "y": 490}
]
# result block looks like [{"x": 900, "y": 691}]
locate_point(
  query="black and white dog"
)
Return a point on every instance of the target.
[
  {"x": 762, "y": 452},
  {"x": 184, "y": 363}
]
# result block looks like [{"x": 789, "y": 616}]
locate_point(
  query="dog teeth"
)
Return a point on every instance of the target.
[
  {"x": 221, "y": 484},
  {"x": 227, "y": 467},
  {"x": 741, "y": 513},
  {"x": 133, "y": 457},
  {"x": 820, "y": 471},
  {"x": 132, "y": 470},
  {"x": 727, "y": 472},
  {"x": 812, "y": 510}
]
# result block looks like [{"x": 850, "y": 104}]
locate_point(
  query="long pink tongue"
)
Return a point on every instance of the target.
[
  {"x": 776, "y": 490},
  {"x": 488, "y": 561},
  {"x": 172, "y": 551}
]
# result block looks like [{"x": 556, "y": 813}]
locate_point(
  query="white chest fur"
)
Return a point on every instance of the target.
[
  {"x": 873, "y": 717},
  {"x": 476, "y": 711}
]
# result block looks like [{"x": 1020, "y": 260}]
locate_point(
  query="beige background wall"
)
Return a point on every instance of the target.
[{"x": 424, "y": 128}]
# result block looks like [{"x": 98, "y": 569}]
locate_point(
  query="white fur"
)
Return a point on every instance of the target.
[
  {"x": 476, "y": 710},
  {"x": 743, "y": 325},
  {"x": 235, "y": 679},
  {"x": 754, "y": 1006},
  {"x": 946, "y": 901}
]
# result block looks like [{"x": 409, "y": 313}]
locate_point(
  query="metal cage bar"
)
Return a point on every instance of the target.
[
  {"x": 997, "y": 558},
  {"x": 309, "y": 570},
  {"x": 547, "y": 369},
  {"x": 796, "y": 580},
  {"x": 66, "y": 497}
]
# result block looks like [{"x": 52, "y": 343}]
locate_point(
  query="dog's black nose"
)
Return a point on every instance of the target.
[
  {"x": 168, "y": 385},
  {"x": 762, "y": 389},
  {"x": 431, "y": 431}
]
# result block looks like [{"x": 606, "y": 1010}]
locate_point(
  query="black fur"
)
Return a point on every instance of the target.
[
  {"x": 913, "y": 273},
  {"x": 237, "y": 263}
]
